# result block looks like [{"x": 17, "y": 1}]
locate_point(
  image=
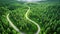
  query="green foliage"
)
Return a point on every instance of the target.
[
  {"x": 47, "y": 16},
  {"x": 18, "y": 18}
]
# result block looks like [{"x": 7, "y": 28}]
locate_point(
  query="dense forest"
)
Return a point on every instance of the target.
[{"x": 45, "y": 14}]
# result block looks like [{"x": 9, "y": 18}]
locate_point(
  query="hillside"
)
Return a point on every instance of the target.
[{"x": 45, "y": 14}]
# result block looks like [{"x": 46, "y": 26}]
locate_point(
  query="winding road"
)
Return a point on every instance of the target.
[
  {"x": 26, "y": 15},
  {"x": 11, "y": 24}
]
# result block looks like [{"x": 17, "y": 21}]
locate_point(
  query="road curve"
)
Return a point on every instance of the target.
[
  {"x": 26, "y": 15},
  {"x": 11, "y": 24}
]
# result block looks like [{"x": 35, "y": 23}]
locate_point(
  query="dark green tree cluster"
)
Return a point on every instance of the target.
[
  {"x": 18, "y": 18},
  {"x": 17, "y": 12},
  {"x": 5, "y": 28},
  {"x": 47, "y": 16}
]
